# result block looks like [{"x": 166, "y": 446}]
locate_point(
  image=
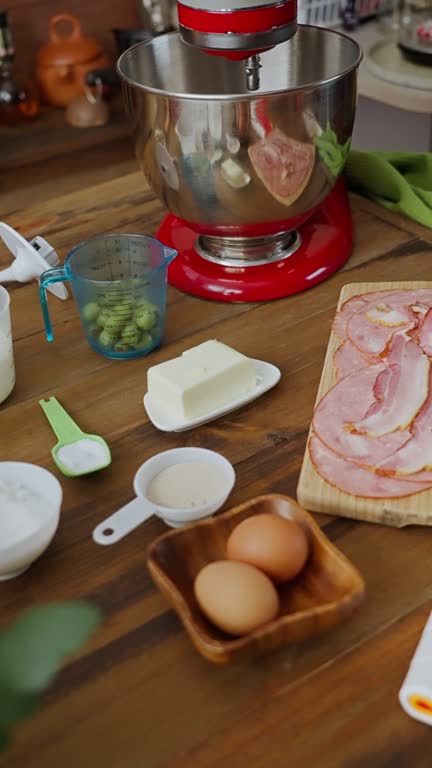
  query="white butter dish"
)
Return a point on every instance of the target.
[{"x": 267, "y": 376}]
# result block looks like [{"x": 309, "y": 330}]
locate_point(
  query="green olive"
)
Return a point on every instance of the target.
[
  {"x": 104, "y": 316},
  {"x": 130, "y": 334},
  {"x": 90, "y": 312},
  {"x": 124, "y": 310},
  {"x": 113, "y": 296},
  {"x": 93, "y": 329},
  {"x": 114, "y": 323},
  {"x": 145, "y": 318},
  {"x": 107, "y": 339},
  {"x": 144, "y": 342}
]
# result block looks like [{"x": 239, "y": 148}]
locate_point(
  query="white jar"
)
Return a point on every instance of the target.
[{"x": 7, "y": 368}]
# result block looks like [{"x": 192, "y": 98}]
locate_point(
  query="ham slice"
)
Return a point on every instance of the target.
[
  {"x": 401, "y": 394},
  {"x": 345, "y": 313},
  {"x": 346, "y": 402},
  {"x": 372, "y": 338},
  {"x": 415, "y": 456},
  {"x": 425, "y": 333},
  {"x": 351, "y": 478},
  {"x": 348, "y": 359},
  {"x": 383, "y": 314},
  {"x": 353, "y": 305}
]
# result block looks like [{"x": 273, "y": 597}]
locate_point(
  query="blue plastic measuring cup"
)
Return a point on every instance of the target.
[{"x": 119, "y": 283}]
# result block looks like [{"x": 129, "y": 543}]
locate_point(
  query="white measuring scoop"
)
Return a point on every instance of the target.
[{"x": 141, "y": 508}]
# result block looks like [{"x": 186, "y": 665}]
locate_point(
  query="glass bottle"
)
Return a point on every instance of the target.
[{"x": 18, "y": 101}]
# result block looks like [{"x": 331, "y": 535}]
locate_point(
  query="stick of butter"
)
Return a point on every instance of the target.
[{"x": 203, "y": 379}]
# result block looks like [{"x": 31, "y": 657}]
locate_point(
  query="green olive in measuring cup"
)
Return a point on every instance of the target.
[
  {"x": 107, "y": 339},
  {"x": 90, "y": 312},
  {"x": 115, "y": 279},
  {"x": 103, "y": 317},
  {"x": 114, "y": 323},
  {"x": 130, "y": 334},
  {"x": 144, "y": 342},
  {"x": 145, "y": 318}
]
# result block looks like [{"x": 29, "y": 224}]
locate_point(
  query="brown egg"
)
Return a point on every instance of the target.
[
  {"x": 236, "y": 597},
  {"x": 277, "y": 546}
]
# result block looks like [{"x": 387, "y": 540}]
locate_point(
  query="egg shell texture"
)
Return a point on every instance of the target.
[
  {"x": 273, "y": 544},
  {"x": 236, "y": 597}
]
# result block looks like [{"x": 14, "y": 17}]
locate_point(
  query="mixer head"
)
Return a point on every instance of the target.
[{"x": 237, "y": 29}]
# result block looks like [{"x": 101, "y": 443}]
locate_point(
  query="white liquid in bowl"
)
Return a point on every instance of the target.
[{"x": 185, "y": 486}]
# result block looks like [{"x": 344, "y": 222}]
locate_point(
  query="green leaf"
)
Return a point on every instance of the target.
[
  {"x": 35, "y": 646},
  {"x": 15, "y": 705},
  {"x": 4, "y": 738}
]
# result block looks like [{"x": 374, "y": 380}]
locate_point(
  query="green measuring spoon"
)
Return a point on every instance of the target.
[{"x": 80, "y": 453}]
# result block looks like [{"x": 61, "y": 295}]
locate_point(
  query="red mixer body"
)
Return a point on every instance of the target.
[
  {"x": 326, "y": 242},
  {"x": 248, "y": 28}
]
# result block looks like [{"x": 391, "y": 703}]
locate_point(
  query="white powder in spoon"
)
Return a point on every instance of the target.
[{"x": 83, "y": 456}]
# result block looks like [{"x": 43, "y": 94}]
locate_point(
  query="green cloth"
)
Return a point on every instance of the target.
[{"x": 401, "y": 181}]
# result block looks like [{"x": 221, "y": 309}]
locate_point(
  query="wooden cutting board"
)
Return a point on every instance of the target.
[{"x": 316, "y": 495}]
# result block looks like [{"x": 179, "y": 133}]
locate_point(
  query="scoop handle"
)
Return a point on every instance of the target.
[
  {"x": 122, "y": 522},
  {"x": 61, "y": 423}
]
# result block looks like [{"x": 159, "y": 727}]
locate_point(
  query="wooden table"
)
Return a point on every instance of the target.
[{"x": 140, "y": 696}]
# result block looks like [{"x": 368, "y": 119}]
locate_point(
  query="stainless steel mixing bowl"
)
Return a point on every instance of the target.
[{"x": 228, "y": 160}]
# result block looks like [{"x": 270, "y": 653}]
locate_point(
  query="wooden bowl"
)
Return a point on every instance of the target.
[{"x": 324, "y": 594}]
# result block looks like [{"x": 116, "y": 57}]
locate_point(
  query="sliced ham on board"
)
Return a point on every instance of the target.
[
  {"x": 355, "y": 304},
  {"x": 372, "y": 432},
  {"x": 401, "y": 390},
  {"x": 372, "y": 336},
  {"x": 351, "y": 478},
  {"x": 349, "y": 359},
  {"x": 425, "y": 333},
  {"x": 415, "y": 456},
  {"x": 345, "y": 403}
]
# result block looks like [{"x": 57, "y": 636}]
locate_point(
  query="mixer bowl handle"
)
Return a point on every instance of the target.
[{"x": 55, "y": 275}]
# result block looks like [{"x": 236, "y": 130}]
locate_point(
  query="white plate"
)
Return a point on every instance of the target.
[{"x": 267, "y": 376}]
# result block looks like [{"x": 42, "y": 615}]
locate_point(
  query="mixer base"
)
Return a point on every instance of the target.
[{"x": 326, "y": 244}]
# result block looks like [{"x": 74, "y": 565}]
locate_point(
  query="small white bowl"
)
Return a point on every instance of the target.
[
  {"x": 16, "y": 558},
  {"x": 141, "y": 508}
]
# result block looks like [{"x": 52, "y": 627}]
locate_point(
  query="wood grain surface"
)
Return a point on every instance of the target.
[
  {"x": 318, "y": 495},
  {"x": 139, "y": 695}
]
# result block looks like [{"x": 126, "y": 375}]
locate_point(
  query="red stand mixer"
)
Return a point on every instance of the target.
[{"x": 242, "y": 123}]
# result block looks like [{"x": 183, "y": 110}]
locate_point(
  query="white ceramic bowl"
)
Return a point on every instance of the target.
[{"x": 16, "y": 558}]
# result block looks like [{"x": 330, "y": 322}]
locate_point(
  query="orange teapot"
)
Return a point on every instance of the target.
[{"x": 62, "y": 64}]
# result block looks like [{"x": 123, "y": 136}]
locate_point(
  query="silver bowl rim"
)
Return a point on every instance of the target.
[{"x": 227, "y": 97}]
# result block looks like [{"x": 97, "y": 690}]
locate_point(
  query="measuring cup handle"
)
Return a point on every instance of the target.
[
  {"x": 61, "y": 423},
  {"x": 55, "y": 275},
  {"x": 122, "y": 522}
]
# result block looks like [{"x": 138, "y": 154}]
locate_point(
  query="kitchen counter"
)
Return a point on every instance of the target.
[
  {"x": 372, "y": 87},
  {"x": 139, "y": 695}
]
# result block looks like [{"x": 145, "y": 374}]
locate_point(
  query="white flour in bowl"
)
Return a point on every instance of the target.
[{"x": 22, "y": 511}]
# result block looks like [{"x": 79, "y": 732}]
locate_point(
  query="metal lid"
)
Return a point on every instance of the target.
[{"x": 169, "y": 67}]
